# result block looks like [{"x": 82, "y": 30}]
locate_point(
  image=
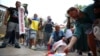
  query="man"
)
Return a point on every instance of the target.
[
  {"x": 12, "y": 24},
  {"x": 40, "y": 32},
  {"x": 93, "y": 12},
  {"x": 82, "y": 25},
  {"x": 56, "y": 36},
  {"x": 33, "y": 33},
  {"x": 48, "y": 29}
]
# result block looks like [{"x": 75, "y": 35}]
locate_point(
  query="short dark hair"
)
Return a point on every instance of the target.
[
  {"x": 97, "y": 4},
  {"x": 18, "y": 2},
  {"x": 71, "y": 9},
  {"x": 96, "y": 0}
]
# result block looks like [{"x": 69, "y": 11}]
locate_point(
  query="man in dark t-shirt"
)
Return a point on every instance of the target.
[
  {"x": 48, "y": 29},
  {"x": 12, "y": 25}
]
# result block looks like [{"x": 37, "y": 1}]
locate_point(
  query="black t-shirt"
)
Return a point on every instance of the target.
[{"x": 13, "y": 15}]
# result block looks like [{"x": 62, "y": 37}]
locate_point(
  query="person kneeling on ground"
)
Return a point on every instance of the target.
[{"x": 55, "y": 36}]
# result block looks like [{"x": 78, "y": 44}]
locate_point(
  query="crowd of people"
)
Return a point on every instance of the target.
[{"x": 79, "y": 36}]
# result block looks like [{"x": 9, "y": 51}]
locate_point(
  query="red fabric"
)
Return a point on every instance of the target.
[{"x": 48, "y": 47}]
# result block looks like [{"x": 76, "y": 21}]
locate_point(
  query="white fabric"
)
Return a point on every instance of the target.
[
  {"x": 57, "y": 54},
  {"x": 96, "y": 31},
  {"x": 68, "y": 33},
  {"x": 60, "y": 54},
  {"x": 59, "y": 46}
]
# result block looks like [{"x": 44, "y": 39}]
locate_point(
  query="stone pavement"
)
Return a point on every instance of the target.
[{"x": 24, "y": 51}]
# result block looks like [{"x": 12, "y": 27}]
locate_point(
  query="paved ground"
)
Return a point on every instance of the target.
[{"x": 23, "y": 51}]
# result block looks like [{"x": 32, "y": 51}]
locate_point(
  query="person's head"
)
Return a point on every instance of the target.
[
  {"x": 96, "y": 0},
  {"x": 49, "y": 18},
  {"x": 29, "y": 20},
  {"x": 73, "y": 12},
  {"x": 97, "y": 8},
  {"x": 18, "y": 4},
  {"x": 41, "y": 19},
  {"x": 57, "y": 28},
  {"x": 35, "y": 15}
]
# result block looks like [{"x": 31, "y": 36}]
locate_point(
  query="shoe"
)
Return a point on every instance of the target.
[
  {"x": 89, "y": 54},
  {"x": 17, "y": 46},
  {"x": 38, "y": 46},
  {"x": 33, "y": 47},
  {"x": 2, "y": 46},
  {"x": 80, "y": 53}
]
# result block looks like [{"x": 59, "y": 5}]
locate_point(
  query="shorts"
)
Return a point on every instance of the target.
[{"x": 32, "y": 34}]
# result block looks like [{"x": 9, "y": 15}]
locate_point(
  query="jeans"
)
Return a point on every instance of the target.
[{"x": 10, "y": 28}]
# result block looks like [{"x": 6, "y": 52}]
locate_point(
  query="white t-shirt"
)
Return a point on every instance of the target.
[{"x": 68, "y": 33}]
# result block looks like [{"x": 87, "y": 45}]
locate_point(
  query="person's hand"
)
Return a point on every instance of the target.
[
  {"x": 67, "y": 49},
  {"x": 64, "y": 39}
]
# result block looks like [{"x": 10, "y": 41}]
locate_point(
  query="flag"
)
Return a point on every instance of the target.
[{"x": 34, "y": 25}]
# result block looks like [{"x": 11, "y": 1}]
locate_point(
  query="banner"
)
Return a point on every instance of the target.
[
  {"x": 21, "y": 21},
  {"x": 34, "y": 25}
]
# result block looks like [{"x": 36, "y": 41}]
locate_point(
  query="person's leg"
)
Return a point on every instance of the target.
[
  {"x": 22, "y": 39},
  {"x": 12, "y": 38},
  {"x": 31, "y": 42},
  {"x": 40, "y": 38},
  {"x": 33, "y": 39},
  {"x": 6, "y": 40},
  {"x": 45, "y": 37},
  {"x": 92, "y": 43},
  {"x": 10, "y": 28},
  {"x": 17, "y": 40},
  {"x": 17, "y": 36}
]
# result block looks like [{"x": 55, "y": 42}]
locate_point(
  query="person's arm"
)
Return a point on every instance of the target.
[
  {"x": 70, "y": 45},
  {"x": 6, "y": 17},
  {"x": 76, "y": 35},
  {"x": 72, "y": 41}
]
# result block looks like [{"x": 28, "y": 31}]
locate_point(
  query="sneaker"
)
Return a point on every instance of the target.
[
  {"x": 33, "y": 47},
  {"x": 38, "y": 46},
  {"x": 89, "y": 54},
  {"x": 17, "y": 46},
  {"x": 2, "y": 46},
  {"x": 80, "y": 53}
]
